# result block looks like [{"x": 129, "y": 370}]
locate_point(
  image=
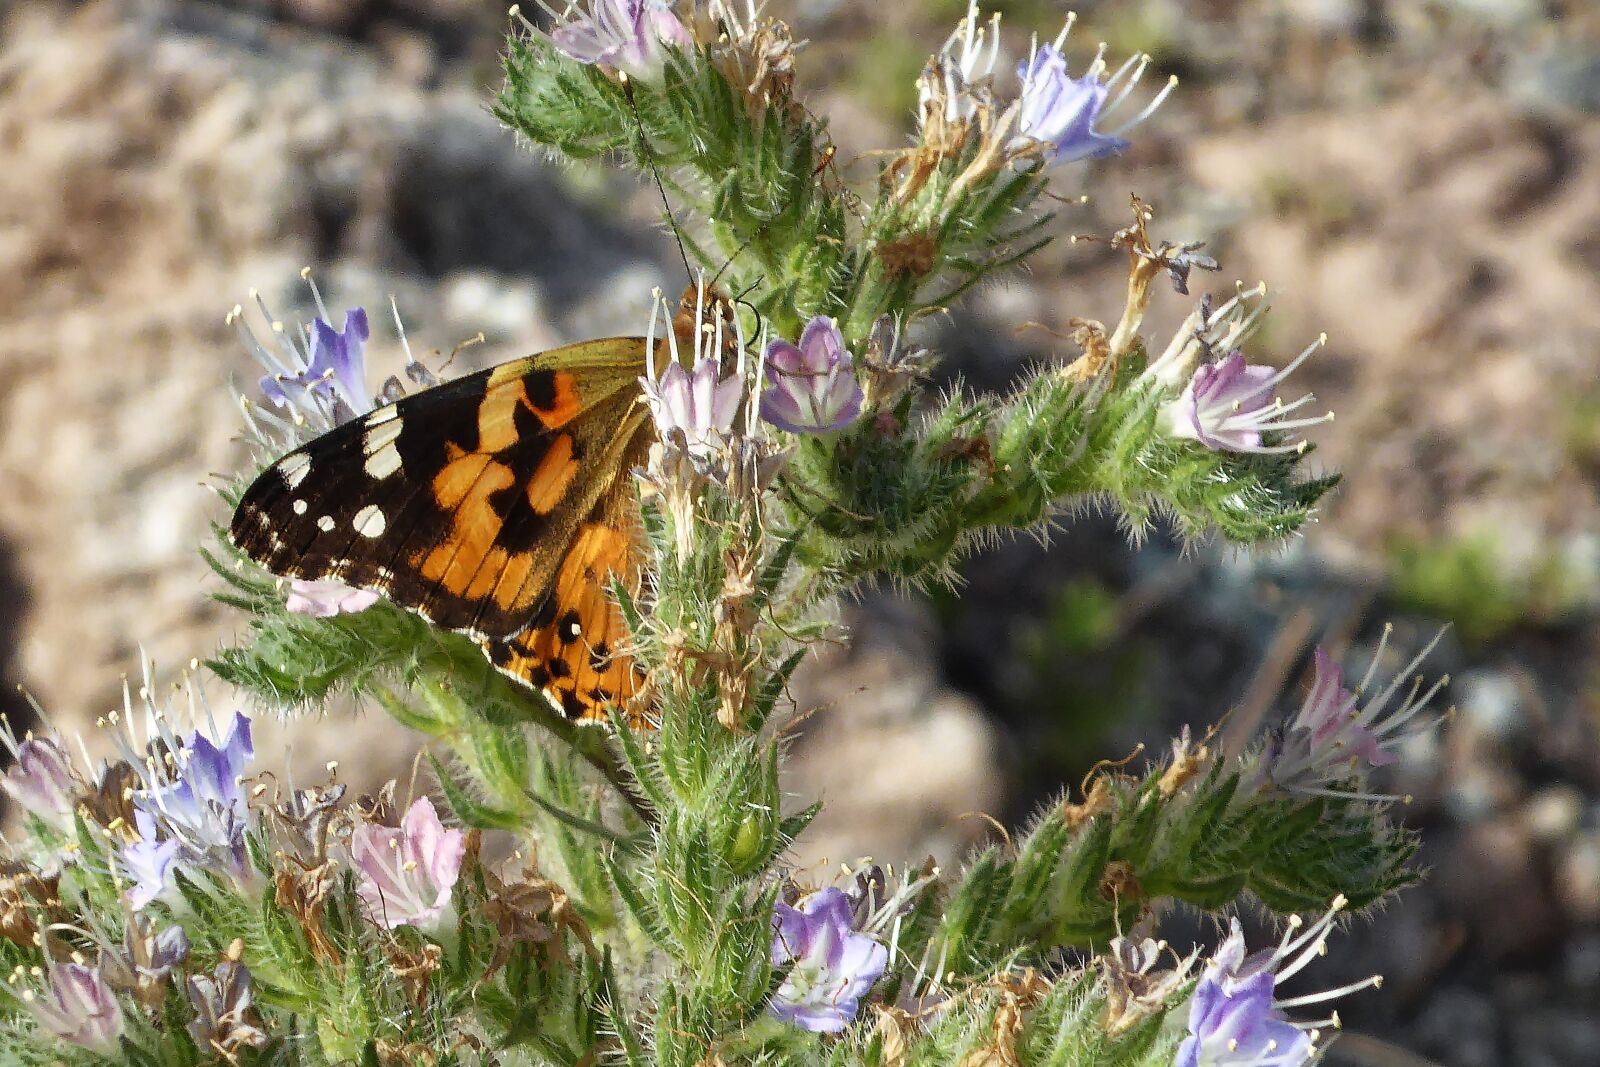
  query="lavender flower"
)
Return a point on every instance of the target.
[
  {"x": 1234, "y": 1020},
  {"x": 405, "y": 875},
  {"x": 209, "y": 778},
  {"x": 325, "y": 598},
  {"x": 833, "y": 966},
  {"x": 335, "y": 370},
  {"x": 148, "y": 861},
  {"x": 697, "y": 403},
  {"x": 1057, "y": 113},
  {"x": 1331, "y": 738},
  {"x": 701, "y": 404},
  {"x": 42, "y": 781},
  {"x": 79, "y": 1008},
  {"x": 623, "y": 35},
  {"x": 814, "y": 387},
  {"x": 191, "y": 810},
  {"x": 315, "y": 376},
  {"x": 1228, "y": 406}
]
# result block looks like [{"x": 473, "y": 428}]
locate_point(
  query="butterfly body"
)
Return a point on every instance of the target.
[{"x": 499, "y": 504}]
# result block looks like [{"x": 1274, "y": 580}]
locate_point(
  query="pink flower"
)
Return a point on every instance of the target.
[
  {"x": 1330, "y": 719},
  {"x": 405, "y": 875},
  {"x": 43, "y": 782},
  {"x": 697, "y": 403},
  {"x": 326, "y": 598},
  {"x": 623, "y": 35},
  {"x": 1338, "y": 734},
  {"x": 814, "y": 387},
  {"x": 1228, "y": 405}
]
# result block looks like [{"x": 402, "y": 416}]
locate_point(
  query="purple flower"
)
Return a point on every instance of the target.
[
  {"x": 1060, "y": 111},
  {"x": 43, "y": 782},
  {"x": 1057, "y": 113},
  {"x": 335, "y": 369},
  {"x": 623, "y": 35},
  {"x": 327, "y": 597},
  {"x": 405, "y": 875},
  {"x": 698, "y": 404},
  {"x": 1331, "y": 738},
  {"x": 79, "y": 1008},
  {"x": 1329, "y": 717},
  {"x": 814, "y": 387},
  {"x": 1234, "y": 1019},
  {"x": 1227, "y": 406},
  {"x": 192, "y": 811},
  {"x": 210, "y": 776},
  {"x": 148, "y": 861},
  {"x": 832, "y": 965},
  {"x": 1233, "y": 1022}
]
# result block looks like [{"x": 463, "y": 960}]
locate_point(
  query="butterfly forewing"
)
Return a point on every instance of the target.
[{"x": 497, "y": 504}]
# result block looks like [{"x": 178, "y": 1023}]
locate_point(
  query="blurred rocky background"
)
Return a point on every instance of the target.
[{"x": 1420, "y": 178}]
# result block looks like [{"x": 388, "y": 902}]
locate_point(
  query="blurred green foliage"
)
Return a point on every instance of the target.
[
  {"x": 1468, "y": 581},
  {"x": 1078, "y": 675}
]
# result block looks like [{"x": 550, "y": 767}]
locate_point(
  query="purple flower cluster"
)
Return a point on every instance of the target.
[
  {"x": 318, "y": 384},
  {"x": 191, "y": 813},
  {"x": 1056, "y": 116}
]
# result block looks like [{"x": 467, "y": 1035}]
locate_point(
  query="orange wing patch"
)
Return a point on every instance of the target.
[
  {"x": 574, "y": 655},
  {"x": 555, "y": 410},
  {"x": 549, "y": 484}
]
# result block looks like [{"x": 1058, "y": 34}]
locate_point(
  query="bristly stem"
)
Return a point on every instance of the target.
[{"x": 590, "y": 742}]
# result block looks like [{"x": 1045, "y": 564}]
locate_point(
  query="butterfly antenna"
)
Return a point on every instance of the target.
[
  {"x": 740, "y": 301},
  {"x": 650, "y": 160}
]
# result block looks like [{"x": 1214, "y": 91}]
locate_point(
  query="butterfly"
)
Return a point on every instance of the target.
[{"x": 500, "y": 505}]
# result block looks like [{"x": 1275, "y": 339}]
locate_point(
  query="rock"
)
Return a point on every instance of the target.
[
  {"x": 1553, "y": 813},
  {"x": 1492, "y": 867},
  {"x": 1490, "y": 703},
  {"x": 1578, "y": 877},
  {"x": 1461, "y": 1027}
]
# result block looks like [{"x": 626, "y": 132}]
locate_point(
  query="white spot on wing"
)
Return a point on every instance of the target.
[
  {"x": 299, "y": 507},
  {"x": 369, "y": 521},
  {"x": 383, "y": 415},
  {"x": 383, "y": 458},
  {"x": 325, "y": 523},
  {"x": 295, "y": 468}
]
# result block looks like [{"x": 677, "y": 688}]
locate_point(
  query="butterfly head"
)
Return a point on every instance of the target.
[{"x": 704, "y": 325}]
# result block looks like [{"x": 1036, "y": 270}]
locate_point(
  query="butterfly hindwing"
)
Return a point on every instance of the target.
[
  {"x": 484, "y": 504},
  {"x": 571, "y": 650}
]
